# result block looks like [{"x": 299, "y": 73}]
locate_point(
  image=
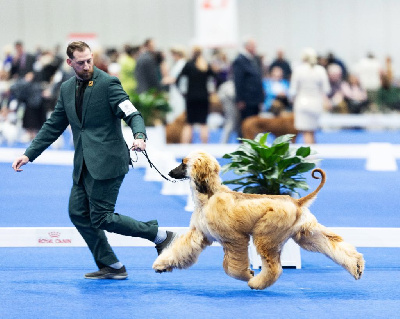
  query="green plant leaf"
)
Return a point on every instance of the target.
[
  {"x": 240, "y": 181},
  {"x": 288, "y": 162},
  {"x": 263, "y": 138},
  {"x": 281, "y": 149},
  {"x": 283, "y": 139},
  {"x": 254, "y": 190},
  {"x": 265, "y": 152},
  {"x": 303, "y": 151},
  {"x": 300, "y": 168}
]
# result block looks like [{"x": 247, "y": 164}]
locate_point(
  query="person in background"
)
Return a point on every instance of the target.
[
  {"x": 100, "y": 60},
  {"x": 333, "y": 59},
  {"x": 127, "y": 62},
  {"x": 247, "y": 72},
  {"x": 281, "y": 62},
  {"x": 309, "y": 88},
  {"x": 369, "y": 70},
  {"x": 162, "y": 68},
  {"x": 388, "y": 69},
  {"x": 197, "y": 73},
  {"x": 226, "y": 94},
  {"x": 147, "y": 70},
  {"x": 221, "y": 66},
  {"x": 22, "y": 62},
  {"x": 336, "y": 99},
  {"x": 175, "y": 97},
  {"x": 114, "y": 68},
  {"x": 94, "y": 103},
  {"x": 276, "y": 90},
  {"x": 355, "y": 96},
  {"x": 388, "y": 96},
  {"x": 7, "y": 60}
]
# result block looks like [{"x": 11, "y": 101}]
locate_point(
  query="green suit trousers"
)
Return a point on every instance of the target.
[{"x": 91, "y": 210}]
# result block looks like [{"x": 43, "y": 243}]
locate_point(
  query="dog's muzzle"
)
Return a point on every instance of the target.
[{"x": 179, "y": 172}]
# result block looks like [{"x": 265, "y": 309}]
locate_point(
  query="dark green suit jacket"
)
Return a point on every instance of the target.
[{"x": 98, "y": 140}]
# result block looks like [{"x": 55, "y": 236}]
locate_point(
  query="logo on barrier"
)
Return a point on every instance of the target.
[
  {"x": 54, "y": 234},
  {"x": 55, "y": 238}
]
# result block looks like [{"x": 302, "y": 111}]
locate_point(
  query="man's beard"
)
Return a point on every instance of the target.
[{"x": 85, "y": 75}]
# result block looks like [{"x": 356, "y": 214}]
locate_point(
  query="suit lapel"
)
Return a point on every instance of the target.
[
  {"x": 70, "y": 93},
  {"x": 88, "y": 92}
]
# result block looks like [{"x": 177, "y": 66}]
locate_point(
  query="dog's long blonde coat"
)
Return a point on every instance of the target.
[{"x": 231, "y": 217}]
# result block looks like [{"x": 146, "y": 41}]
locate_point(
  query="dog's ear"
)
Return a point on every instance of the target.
[
  {"x": 201, "y": 185},
  {"x": 204, "y": 171},
  {"x": 201, "y": 172}
]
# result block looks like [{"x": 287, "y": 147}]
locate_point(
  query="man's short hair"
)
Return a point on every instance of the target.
[
  {"x": 76, "y": 46},
  {"x": 147, "y": 42}
]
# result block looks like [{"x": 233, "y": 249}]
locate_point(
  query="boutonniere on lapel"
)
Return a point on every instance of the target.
[{"x": 90, "y": 83}]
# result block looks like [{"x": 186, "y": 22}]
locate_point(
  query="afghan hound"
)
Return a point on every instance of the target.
[{"x": 230, "y": 218}]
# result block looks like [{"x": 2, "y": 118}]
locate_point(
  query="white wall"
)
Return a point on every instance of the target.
[
  {"x": 349, "y": 28},
  {"x": 48, "y": 22}
]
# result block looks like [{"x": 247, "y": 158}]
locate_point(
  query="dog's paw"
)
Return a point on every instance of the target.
[
  {"x": 160, "y": 271},
  {"x": 161, "y": 267},
  {"x": 256, "y": 283},
  {"x": 359, "y": 269},
  {"x": 355, "y": 265}
]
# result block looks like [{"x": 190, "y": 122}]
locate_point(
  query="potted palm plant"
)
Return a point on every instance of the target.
[{"x": 275, "y": 170}]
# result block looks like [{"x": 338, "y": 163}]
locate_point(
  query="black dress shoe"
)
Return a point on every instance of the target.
[
  {"x": 170, "y": 238},
  {"x": 108, "y": 273}
]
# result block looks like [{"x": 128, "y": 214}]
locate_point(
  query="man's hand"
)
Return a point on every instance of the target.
[
  {"x": 139, "y": 145},
  {"x": 20, "y": 161}
]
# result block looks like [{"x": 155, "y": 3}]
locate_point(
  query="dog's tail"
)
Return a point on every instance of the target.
[{"x": 307, "y": 200}]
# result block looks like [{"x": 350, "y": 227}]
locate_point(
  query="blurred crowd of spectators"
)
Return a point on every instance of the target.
[{"x": 30, "y": 81}]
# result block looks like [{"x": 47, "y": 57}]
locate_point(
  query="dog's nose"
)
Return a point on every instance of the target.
[{"x": 172, "y": 174}]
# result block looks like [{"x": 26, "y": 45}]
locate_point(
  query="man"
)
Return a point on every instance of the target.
[
  {"x": 247, "y": 71},
  {"x": 94, "y": 103},
  {"x": 22, "y": 62},
  {"x": 281, "y": 62},
  {"x": 147, "y": 70}
]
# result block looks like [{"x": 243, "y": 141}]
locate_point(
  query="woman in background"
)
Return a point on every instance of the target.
[
  {"x": 197, "y": 73},
  {"x": 175, "y": 98},
  {"x": 309, "y": 87}
]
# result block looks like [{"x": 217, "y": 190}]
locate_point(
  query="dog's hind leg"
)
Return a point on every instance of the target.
[
  {"x": 315, "y": 237},
  {"x": 236, "y": 259},
  {"x": 271, "y": 264},
  {"x": 183, "y": 251}
]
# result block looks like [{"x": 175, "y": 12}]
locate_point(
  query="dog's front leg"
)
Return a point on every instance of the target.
[
  {"x": 236, "y": 258},
  {"x": 183, "y": 252}
]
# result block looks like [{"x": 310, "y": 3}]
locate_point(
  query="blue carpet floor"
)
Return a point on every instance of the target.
[{"x": 48, "y": 283}]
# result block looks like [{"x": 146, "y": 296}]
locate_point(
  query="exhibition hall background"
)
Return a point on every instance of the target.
[{"x": 349, "y": 28}]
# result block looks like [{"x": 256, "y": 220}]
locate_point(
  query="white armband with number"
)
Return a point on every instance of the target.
[{"x": 127, "y": 107}]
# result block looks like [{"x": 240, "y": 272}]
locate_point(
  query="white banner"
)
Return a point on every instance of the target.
[
  {"x": 90, "y": 38},
  {"x": 216, "y": 23}
]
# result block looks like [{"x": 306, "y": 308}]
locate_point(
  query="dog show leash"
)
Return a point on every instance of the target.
[{"x": 152, "y": 165}]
